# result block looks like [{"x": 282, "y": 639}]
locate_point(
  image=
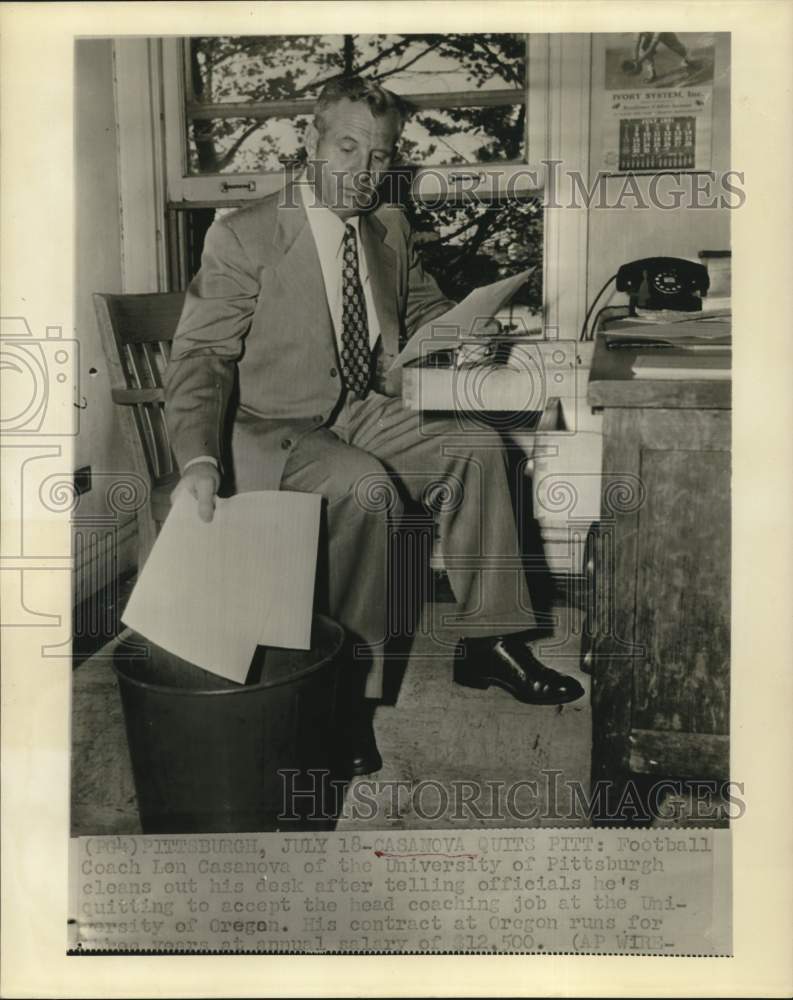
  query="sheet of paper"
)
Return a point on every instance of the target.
[
  {"x": 683, "y": 366},
  {"x": 693, "y": 329},
  {"x": 444, "y": 332},
  {"x": 211, "y": 593}
]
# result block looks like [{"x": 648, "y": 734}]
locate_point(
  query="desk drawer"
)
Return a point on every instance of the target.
[{"x": 534, "y": 373}]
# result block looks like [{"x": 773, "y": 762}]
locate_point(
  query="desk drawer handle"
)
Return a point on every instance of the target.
[{"x": 249, "y": 186}]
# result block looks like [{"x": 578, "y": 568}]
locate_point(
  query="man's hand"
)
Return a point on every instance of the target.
[{"x": 201, "y": 481}]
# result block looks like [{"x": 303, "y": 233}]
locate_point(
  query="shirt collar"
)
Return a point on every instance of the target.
[{"x": 324, "y": 222}]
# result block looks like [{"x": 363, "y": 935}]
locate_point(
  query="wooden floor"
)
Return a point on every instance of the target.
[{"x": 435, "y": 736}]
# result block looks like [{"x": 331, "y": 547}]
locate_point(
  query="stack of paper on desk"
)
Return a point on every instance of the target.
[
  {"x": 691, "y": 333},
  {"x": 210, "y": 593}
]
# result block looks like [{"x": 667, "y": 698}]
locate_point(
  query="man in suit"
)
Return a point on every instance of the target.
[{"x": 304, "y": 298}]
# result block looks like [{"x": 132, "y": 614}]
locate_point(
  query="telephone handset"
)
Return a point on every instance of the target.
[{"x": 664, "y": 283}]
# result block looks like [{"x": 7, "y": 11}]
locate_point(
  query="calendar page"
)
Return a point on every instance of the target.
[{"x": 658, "y": 108}]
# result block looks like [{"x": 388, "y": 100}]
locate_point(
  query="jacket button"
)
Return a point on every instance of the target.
[
  {"x": 333, "y": 373},
  {"x": 286, "y": 443}
]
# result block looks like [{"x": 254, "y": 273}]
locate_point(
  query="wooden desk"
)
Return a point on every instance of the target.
[
  {"x": 661, "y": 568},
  {"x": 537, "y": 403}
]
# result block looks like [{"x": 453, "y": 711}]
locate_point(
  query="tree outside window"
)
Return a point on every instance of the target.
[{"x": 249, "y": 100}]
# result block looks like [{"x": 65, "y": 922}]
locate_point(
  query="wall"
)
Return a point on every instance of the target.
[
  {"x": 619, "y": 235},
  {"x": 98, "y": 268}
]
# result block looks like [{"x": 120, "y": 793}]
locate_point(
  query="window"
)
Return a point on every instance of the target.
[
  {"x": 237, "y": 109},
  {"x": 468, "y": 245}
]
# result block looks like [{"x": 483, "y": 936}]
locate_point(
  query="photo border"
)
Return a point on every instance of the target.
[{"x": 38, "y": 269}]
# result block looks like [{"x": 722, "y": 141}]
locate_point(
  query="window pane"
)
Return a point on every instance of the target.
[
  {"x": 441, "y": 137},
  {"x": 258, "y": 70},
  {"x": 425, "y": 64},
  {"x": 244, "y": 145},
  {"x": 251, "y": 69},
  {"x": 472, "y": 244}
]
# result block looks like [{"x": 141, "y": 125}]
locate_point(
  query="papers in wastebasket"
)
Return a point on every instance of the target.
[{"x": 211, "y": 593}]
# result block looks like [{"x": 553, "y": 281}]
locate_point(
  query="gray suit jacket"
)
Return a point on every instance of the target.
[{"x": 257, "y": 312}]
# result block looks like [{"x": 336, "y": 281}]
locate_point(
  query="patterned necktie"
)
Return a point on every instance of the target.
[{"x": 356, "y": 357}]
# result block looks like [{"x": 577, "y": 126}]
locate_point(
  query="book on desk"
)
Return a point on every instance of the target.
[{"x": 674, "y": 365}]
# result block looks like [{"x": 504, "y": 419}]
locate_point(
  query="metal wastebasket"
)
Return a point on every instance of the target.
[{"x": 211, "y": 756}]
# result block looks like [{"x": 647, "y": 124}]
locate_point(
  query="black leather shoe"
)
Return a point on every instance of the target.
[
  {"x": 510, "y": 664},
  {"x": 361, "y": 753}
]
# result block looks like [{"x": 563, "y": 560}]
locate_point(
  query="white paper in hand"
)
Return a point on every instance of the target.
[{"x": 211, "y": 593}]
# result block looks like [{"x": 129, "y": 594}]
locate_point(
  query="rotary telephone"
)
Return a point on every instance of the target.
[{"x": 664, "y": 283}]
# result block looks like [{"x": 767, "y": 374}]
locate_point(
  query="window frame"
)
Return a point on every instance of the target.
[{"x": 486, "y": 181}]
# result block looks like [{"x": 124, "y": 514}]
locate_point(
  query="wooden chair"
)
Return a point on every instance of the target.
[{"x": 136, "y": 332}]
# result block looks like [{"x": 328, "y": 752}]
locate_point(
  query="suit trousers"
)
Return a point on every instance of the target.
[{"x": 365, "y": 462}]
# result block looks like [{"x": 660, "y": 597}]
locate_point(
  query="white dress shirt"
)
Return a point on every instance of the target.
[{"x": 328, "y": 232}]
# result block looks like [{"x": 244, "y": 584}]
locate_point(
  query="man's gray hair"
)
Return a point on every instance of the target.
[{"x": 355, "y": 88}]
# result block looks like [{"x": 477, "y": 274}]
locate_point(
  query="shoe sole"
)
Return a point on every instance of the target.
[{"x": 482, "y": 683}]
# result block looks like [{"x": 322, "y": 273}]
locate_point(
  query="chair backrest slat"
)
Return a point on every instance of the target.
[
  {"x": 140, "y": 377},
  {"x": 136, "y": 333}
]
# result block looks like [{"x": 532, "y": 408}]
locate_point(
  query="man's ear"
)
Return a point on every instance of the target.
[{"x": 311, "y": 140}]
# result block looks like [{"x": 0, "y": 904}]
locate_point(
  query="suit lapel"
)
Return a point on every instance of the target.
[
  {"x": 381, "y": 261},
  {"x": 298, "y": 268}
]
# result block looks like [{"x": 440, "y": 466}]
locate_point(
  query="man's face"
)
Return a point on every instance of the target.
[{"x": 351, "y": 156}]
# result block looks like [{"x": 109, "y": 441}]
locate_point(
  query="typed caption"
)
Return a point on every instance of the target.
[{"x": 608, "y": 891}]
